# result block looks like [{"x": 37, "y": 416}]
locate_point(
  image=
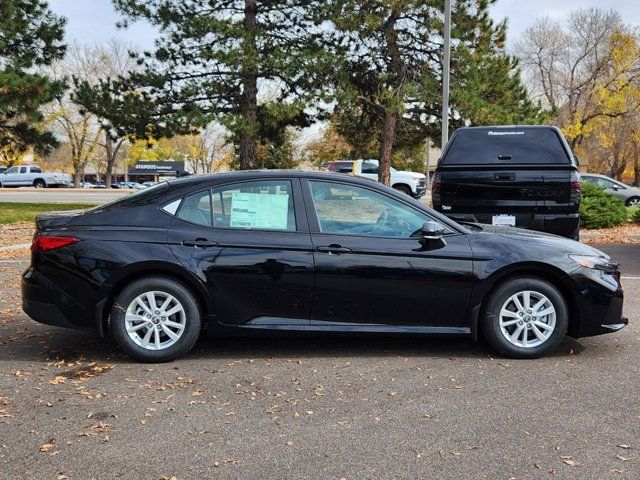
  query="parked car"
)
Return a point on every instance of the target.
[
  {"x": 628, "y": 194},
  {"x": 87, "y": 185},
  {"x": 26, "y": 176},
  {"x": 148, "y": 184},
  {"x": 411, "y": 183},
  {"x": 261, "y": 252},
  {"x": 130, "y": 185},
  {"x": 519, "y": 176}
]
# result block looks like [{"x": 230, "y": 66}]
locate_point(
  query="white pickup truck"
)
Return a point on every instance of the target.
[
  {"x": 411, "y": 183},
  {"x": 26, "y": 176}
]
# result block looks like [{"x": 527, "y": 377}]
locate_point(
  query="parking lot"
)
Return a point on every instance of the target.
[{"x": 72, "y": 407}]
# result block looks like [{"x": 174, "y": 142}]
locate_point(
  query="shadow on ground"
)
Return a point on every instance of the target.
[{"x": 43, "y": 343}]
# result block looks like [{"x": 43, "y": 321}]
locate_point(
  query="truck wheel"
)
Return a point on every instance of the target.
[
  {"x": 403, "y": 188},
  {"x": 39, "y": 183}
]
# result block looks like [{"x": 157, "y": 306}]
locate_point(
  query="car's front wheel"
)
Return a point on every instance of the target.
[
  {"x": 155, "y": 319},
  {"x": 525, "y": 318},
  {"x": 633, "y": 202}
]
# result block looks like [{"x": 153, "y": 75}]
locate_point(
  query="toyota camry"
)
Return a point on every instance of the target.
[{"x": 302, "y": 252}]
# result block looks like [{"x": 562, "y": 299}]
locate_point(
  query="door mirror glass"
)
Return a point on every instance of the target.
[{"x": 432, "y": 230}]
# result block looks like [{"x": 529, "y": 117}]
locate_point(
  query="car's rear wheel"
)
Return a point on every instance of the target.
[
  {"x": 39, "y": 184},
  {"x": 525, "y": 318},
  {"x": 155, "y": 319},
  {"x": 633, "y": 202}
]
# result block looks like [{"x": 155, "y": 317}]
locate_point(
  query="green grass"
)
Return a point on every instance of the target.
[{"x": 25, "y": 212}]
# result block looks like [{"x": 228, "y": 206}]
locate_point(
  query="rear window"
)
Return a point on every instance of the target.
[{"x": 506, "y": 146}]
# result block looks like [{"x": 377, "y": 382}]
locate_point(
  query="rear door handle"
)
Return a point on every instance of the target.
[
  {"x": 199, "y": 243},
  {"x": 333, "y": 249},
  {"x": 510, "y": 177}
]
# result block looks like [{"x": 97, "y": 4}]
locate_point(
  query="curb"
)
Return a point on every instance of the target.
[{"x": 15, "y": 247}]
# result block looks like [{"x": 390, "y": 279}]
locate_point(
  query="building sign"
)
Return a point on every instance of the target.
[{"x": 155, "y": 168}]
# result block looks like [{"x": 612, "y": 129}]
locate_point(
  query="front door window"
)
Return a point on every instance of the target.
[{"x": 350, "y": 210}]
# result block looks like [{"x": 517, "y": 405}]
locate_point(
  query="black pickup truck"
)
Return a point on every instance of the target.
[{"x": 519, "y": 176}]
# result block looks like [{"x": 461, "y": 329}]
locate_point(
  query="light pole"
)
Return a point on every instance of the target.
[{"x": 446, "y": 66}]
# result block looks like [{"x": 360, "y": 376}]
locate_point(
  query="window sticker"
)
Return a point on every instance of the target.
[{"x": 258, "y": 210}]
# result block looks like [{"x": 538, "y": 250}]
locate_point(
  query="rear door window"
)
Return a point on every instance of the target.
[
  {"x": 258, "y": 205},
  {"x": 506, "y": 146}
]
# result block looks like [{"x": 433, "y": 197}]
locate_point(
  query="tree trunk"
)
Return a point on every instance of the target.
[
  {"x": 249, "y": 98},
  {"x": 386, "y": 147},
  {"x": 108, "y": 146}
]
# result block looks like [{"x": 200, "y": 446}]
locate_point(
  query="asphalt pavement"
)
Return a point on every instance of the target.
[{"x": 72, "y": 407}]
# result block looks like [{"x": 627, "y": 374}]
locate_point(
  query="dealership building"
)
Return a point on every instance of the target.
[{"x": 142, "y": 171}]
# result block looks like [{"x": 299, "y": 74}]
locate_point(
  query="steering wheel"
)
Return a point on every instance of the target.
[{"x": 386, "y": 220}]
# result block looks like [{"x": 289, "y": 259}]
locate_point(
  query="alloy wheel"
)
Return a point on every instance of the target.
[
  {"x": 634, "y": 202},
  {"x": 527, "y": 319},
  {"x": 155, "y": 320}
]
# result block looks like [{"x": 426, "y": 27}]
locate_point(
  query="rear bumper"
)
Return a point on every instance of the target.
[
  {"x": 559, "y": 224},
  {"x": 45, "y": 302}
]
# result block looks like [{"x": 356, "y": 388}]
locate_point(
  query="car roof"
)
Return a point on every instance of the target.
[{"x": 258, "y": 174}]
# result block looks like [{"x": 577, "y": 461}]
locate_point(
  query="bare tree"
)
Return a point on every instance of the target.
[
  {"x": 115, "y": 60},
  {"x": 82, "y": 130},
  {"x": 564, "y": 65},
  {"x": 78, "y": 129}
]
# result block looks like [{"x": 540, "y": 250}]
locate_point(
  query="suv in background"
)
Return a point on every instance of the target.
[
  {"x": 629, "y": 195},
  {"x": 517, "y": 176},
  {"x": 411, "y": 183},
  {"x": 341, "y": 166}
]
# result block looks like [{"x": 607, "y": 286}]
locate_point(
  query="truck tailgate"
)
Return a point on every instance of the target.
[{"x": 509, "y": 189}]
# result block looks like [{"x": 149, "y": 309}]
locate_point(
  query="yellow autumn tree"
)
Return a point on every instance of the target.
[
  {"x": 615, "y": 123},
  {"x": 611, "y": 100}
]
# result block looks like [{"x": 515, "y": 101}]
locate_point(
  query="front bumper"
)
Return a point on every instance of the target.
[{"x": 420, "y": 192}]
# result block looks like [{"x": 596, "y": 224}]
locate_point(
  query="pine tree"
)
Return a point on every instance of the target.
[
  {"x": 249, "y": 64},
  {"x": 389, "y": 75},
  {"x": 30, "y": 37}
]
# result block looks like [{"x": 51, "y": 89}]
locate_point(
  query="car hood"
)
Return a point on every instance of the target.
[
  {"x": 523, "y": 237},
  {"x": 409, "y": 174}
]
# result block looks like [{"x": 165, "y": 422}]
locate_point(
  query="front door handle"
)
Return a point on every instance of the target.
[
  {"x": 333, "y": 249},
  {"x": 199, "y": 243}
]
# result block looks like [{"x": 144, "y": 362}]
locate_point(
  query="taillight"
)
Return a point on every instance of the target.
[
  {"x": 576, "y": 186},
  {"x": 45, "y": 243}
]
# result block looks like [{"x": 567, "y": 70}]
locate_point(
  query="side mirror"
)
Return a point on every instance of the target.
[
  {"x": 615, "y": 187},
  {"x": 432, "y": 231}
]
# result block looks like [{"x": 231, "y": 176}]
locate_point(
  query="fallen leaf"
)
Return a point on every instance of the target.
[
  {"x": 569, "y": 461},
  {"x": 47, "y": 447}
]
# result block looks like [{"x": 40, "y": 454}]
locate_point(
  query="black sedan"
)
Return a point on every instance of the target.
[{"x": 276, "y": 251}]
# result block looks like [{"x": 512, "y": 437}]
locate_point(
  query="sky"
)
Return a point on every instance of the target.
[{"x": 93, "y": 21}]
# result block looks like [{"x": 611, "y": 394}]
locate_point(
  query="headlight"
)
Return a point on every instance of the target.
[
  {"x": 416, "y": 179},
  {"x": 594, "y": 262}
]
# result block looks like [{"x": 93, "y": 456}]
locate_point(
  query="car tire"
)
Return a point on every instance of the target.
[
  {"x": 141, "y": 332},
  {"x": 403, "y": 188},
  {"x": 633, "y": 202},
  {"x": 39, "y": 183},
  {"x": 528, "y": 332}
]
